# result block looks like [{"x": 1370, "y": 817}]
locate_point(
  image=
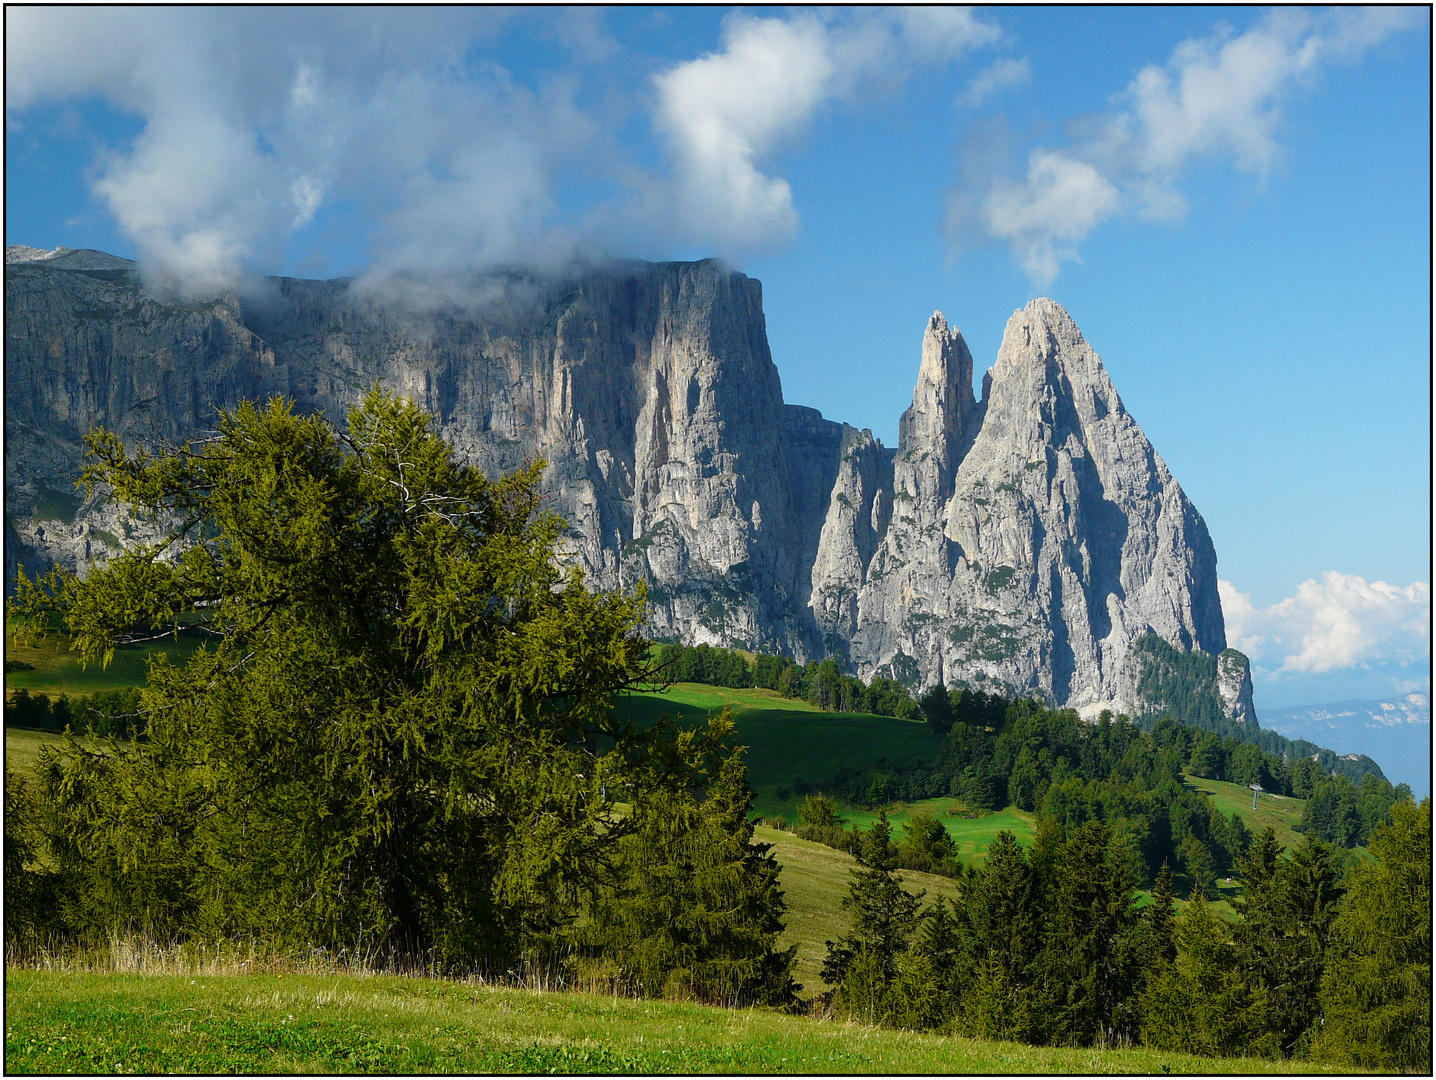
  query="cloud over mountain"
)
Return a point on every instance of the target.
[{"x": 260, "y": 125}]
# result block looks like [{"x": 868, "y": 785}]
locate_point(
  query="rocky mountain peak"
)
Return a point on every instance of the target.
[
  {"x": 1234, "y": 687},
  {"x": 1020, "y": 545},
  {"x": 942, "y": 399}
]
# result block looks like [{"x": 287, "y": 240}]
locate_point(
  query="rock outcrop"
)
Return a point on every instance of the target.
[
  {"x": 1234, "y": 687},
  {"x": 1020, "y": 543}
]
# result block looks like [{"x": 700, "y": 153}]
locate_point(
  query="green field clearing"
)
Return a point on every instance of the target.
[
  {"x": 22, "y": 747},
  {"x": 815, "y": 879},
  {"x": 973, "y": 835},
  {"x": 1277, "y": 811},
  {"x": 58, "y": 671},
  {"x": 89, "y": 1023},
  {"x": 790, "y": 742}
]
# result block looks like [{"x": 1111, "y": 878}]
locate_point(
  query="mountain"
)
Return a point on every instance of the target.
[
  {"x": 1396, "y": 732},
  {"x": 1020, "y": 542}
]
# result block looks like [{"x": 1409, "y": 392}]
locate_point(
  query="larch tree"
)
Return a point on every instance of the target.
[{"x": 400, "y": 735}]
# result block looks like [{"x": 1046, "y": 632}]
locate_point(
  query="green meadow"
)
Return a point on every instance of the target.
[
  {"x": 815, "y": 879},
  {"x": 341, "y": 1021},
  {"x": 196, "y": 1022},
  {"x": 1275, "y": 811},
  {"x": 55, "y": 670},
  {"x": 790, "y": 743},
  {"x": 22, "y": 747}
]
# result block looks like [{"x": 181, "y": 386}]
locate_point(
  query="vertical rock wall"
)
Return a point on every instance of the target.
[{"x": 1021, "y": 542}]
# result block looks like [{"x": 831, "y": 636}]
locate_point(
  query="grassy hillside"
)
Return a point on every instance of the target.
[
  {"x": 973, "y": 835},
  {"x": 791, "y": 743},
  {"x": 88, "y": 1023},
  {"x": 1277, "y": 811},
  {"x": 815, "y": 879},
  {"x": 22, "y": 747},
  {"x": 58, "y": 671}
]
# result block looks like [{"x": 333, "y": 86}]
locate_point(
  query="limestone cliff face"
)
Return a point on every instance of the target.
[
  {"x": 648, "y": 389},
  {"x": 1234, "y": 687},
  {"x": 1021, "y": 542},
  {"x": 1029, "y": 553}
]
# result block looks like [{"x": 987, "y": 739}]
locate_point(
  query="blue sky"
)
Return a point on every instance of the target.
[{"x": 1234, "y": 204}]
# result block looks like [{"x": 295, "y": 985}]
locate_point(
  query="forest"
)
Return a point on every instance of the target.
[{"x": 400, "y": 743}]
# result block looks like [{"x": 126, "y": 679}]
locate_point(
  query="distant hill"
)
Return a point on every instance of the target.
[
  {"x": 1395, "y": 731},
  {"x": 1214, "y": 693}
]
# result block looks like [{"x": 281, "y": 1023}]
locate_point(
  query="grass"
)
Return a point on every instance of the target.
[
  {"x": 815, "y": 879},
  {"x": 973, "y": 835},
  {"x": 308, "y": 1023},
  {"x": 791, "y": 743},
  {"x": 58, "y": 671},
  {"x": 22, "y": 747},
  {"x": 1277, "y": 811}
]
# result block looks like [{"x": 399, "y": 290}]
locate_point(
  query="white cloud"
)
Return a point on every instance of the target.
[
  {"x": 256, "y": 121},
  {"x": 1340, "y": 622},
  {"x": 726, "y": 114},
  {"x": 1000, "y": 75},
  {"x": 1216, "y": 100},
  {"x": 1059, "y": 202}
]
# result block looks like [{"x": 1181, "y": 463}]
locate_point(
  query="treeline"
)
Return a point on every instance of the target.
[
  {"x": 688, "y": 906},
  {"x": 1183, "y": 686},
  {"x": 820, "y": 682},
  {"x": 998, "y": 753},
  {"x": 106, "y": 712},
  {"x": 1049, "y": 947}
]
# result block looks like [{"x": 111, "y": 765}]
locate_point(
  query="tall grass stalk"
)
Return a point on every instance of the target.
[{"x": 127, "y": 952}]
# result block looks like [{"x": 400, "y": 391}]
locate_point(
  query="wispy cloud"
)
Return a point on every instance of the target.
[
  {"x": 1004, "y": 74},
  {"x": 255, "y": 119},
  {"x": 257, "y": 122},
  {"x": 1217, "y": 99},
  {"x": 1339, "y": 622}
]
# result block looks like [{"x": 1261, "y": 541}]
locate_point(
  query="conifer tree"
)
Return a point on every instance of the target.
[
  {"x": 1310, "y": 894},
  {"x": 699, "y": 909},
  {"x": 1090, "y": 965},
  {"x": 884, "y": 914},
  {"x": 402, "y": 736},
  {"x": 1201, "y": 1003},
  {"x": 1005, "y": 918},
  {"x": 1376, "y": 989},
  {"x": 1162, "y": 918},
  {"x": 936, "y": 706}
]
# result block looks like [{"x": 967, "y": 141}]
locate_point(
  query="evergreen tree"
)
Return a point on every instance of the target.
[
  {"x": 1161, "y": 917},
  {"x": 700, "y": 910},
  {"x": 884, "y": 914},
  {"x": 818, "y": 809},
  {"x": 25, "y": 909},
  {"x": 1197, "y": 861},
  {"x": 1089, "y": 966},
  {"x": 1281, "y": 940},
  {"x": 1201, "y": 1003},
  {"x": 1005, "y": 919},
  {"x": 936, "y": 706},
  {"x": 402, "y": 738},
  {"x": 927, "y": 846},
  {"x": 1376, "y": 990}
]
